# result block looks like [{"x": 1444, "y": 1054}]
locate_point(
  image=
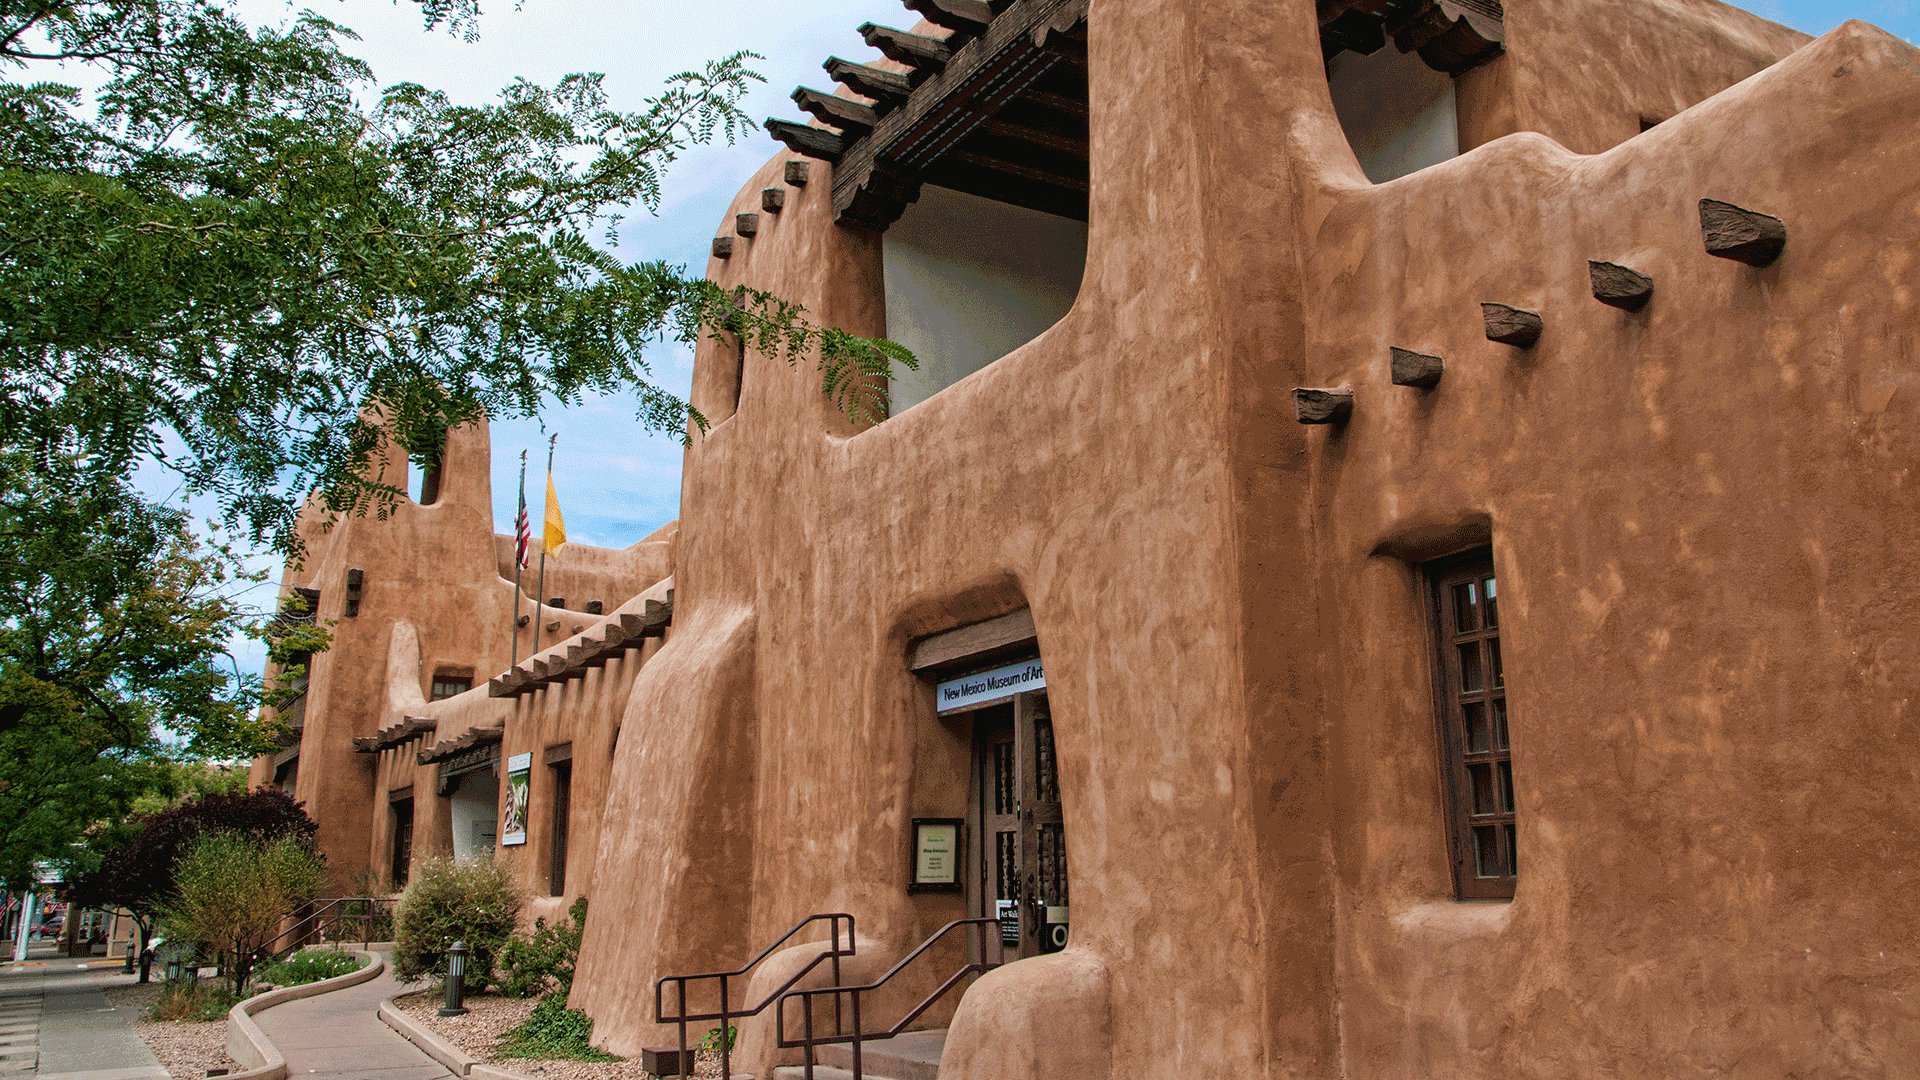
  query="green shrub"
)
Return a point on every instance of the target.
[
  {"x": 477, "y": 902},
  {"x": 307, "y": 967},
  {"x": 232, "y": 891},
  {"x": 195, "y": 1001},
  {"x": 544, "y": 959},
  {"x": 554, "y": 1031}
]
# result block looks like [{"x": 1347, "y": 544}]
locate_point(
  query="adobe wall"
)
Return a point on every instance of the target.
[
  {"x": 1697, "y": 511},
  {"x": 432, "y": 599},
  {"x": 1705, "y": 543}
]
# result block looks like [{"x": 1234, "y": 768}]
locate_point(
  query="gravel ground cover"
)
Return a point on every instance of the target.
[
  {"x": 490, "y": 1017},
  {"x": 186, "y": 1049}
]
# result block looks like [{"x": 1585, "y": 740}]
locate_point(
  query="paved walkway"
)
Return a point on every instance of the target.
[
  {"x": 55, "y": 1024},
  {"x": 340, "y": 1035}
]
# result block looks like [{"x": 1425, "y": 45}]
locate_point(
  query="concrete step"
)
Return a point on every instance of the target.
[{"x": 911, "y": 1055}]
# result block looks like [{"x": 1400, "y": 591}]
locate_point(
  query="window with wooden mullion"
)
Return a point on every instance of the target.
[{"x": 1472, "y": 695}]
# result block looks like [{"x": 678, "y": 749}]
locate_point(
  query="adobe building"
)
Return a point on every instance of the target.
[{"x": 1396, "y": 562}]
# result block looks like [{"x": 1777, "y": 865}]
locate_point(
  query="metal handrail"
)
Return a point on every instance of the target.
[
  {"x": 808, "y": 1040},
  {"x": 727, "y": 1012},
  {"x": 295, "y": 936}
]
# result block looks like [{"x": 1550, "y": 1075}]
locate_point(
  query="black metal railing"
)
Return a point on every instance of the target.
[
  {"x": 727, "y": 1014},
  {"x": 365, "y": 919},
  {"x": 808, "y": 1040}
]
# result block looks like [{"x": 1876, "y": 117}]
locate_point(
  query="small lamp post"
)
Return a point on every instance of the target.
[
  {"x": 456, "y": 980},
  {"x": 173, "y": 970},
  {"x": 128, "y": 970}
]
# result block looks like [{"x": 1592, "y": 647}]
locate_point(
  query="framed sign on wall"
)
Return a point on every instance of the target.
[{"x": 936, "y": 855}]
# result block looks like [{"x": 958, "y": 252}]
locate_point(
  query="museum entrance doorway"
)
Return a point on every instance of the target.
[
  {"x": 1021, "y": 874},
  {"x": 988, "y": 681}
]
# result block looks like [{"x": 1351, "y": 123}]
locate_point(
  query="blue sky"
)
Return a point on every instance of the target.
[{"x": 615, "y": 485}]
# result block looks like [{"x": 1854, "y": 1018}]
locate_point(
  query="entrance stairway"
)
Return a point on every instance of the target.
[{"x": 910, "y": 1055}]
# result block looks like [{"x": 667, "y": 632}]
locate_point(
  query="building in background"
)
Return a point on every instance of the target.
[{"x": 1397, "y": 562}]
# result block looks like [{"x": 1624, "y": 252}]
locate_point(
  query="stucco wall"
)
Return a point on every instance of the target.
[{"x": 1696, "y": 512}]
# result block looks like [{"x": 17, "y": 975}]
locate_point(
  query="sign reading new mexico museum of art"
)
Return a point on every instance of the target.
[{"x": 987, "y": 687}]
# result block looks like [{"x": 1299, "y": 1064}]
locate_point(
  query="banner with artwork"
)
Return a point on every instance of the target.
[{"x": 513, "y": 816}]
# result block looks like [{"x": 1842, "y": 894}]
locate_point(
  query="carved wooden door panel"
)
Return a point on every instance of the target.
[
  {"x": 1022, "y": 875},
  {"x": 1043, "y": 840}
]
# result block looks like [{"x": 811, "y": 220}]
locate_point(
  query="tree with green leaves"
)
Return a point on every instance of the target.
[
  {"x": 113, "y": 626},
  {"x": 231, "y": 892},
  {"x": 226, "y": 258},
  {"x": 134, "y": 864}
]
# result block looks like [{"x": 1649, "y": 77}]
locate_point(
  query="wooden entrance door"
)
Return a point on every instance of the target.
[{"x": 1022, "y": 871}]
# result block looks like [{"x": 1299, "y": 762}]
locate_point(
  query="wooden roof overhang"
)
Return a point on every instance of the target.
[
  {"x": 449, "y": 748},
  {"x": 999, "y": 108},
  {"x": 627, "y": 630},
  {"x": 1450, "y": 35},
  {"x": 393, "y": 735}
]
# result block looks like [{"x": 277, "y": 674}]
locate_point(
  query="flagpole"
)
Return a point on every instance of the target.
[
  {"x": 540, "y": 590},
  {"x": 519, "y": 564}
]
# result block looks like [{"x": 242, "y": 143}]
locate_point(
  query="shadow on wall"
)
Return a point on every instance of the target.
[{"x": 969, "y": 280}]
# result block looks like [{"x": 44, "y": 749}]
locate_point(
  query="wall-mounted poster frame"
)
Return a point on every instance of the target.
[
  {"x": 513, "y": 810},
  {"x": 936, "y": 854}
]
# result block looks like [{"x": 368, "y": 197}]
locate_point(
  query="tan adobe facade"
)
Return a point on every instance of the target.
[{"x": 1294, "y": 750}]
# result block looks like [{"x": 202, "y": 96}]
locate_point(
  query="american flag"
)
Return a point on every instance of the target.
[{"x": 522, "y": 530}]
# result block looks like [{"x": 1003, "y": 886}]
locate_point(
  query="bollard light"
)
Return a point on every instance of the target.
[
  {"x": 128, "y": 970},
  {"x": 456, "y": 980},
  {"x": 173, "y": 970}
]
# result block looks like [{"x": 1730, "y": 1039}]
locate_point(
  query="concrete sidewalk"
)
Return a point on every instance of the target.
[
  {"x": 339, "y": 1034},
  {"x": 56, "y": 1024}
]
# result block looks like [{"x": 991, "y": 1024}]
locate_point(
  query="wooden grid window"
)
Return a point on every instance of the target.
[
  {"x": 446, "y": 686},
  {"x": 1471, "y": 689}
]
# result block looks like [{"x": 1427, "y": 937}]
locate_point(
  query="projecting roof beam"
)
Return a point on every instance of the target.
[
  {"x": 969, "y": 17},
  {"x": 834, "y": 111},
  {"x": 887, "y": 89},
  {"x": 809, "y": 140},
  {"x": 1450, "y": 35},
  {"x": 913, "y": 50}
]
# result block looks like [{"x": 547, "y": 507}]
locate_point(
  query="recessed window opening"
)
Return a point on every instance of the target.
[
  {"x": 969, "y": 280},
  {"x": 1471, "y": 696},
  {"x": 447, "y": 684},
  {"x": 1399, "y": 115},
  {"x": 430, "y": 467},
  {"x": 402, "y": 862},
  {"x": 562, "y": 810}
]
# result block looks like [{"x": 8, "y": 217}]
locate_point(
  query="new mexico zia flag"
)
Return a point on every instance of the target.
[{"x": 554, "y": 532}]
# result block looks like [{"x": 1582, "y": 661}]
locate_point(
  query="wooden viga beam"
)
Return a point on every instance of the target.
[
  {"x": 836, "y": 112},
  {"x": 814, "y": 142},
  {"x": 966, "y": 17},
  {"x": 888, "y": 89},
  {"x": 914, "y": 50}
]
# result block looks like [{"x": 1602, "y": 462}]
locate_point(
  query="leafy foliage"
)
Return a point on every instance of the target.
[
  {"x": 113, "y": 622},
  {"x": 545, "y": 958},
  {"x": 135, "y": 863},
  {"x": 445, "y": 901},
  {"x": 307, "y": 966},
  {"x": 231, "y": 892},
  {"x": 227, "y": 258},
  {"x": 554, "y": 1031}
]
